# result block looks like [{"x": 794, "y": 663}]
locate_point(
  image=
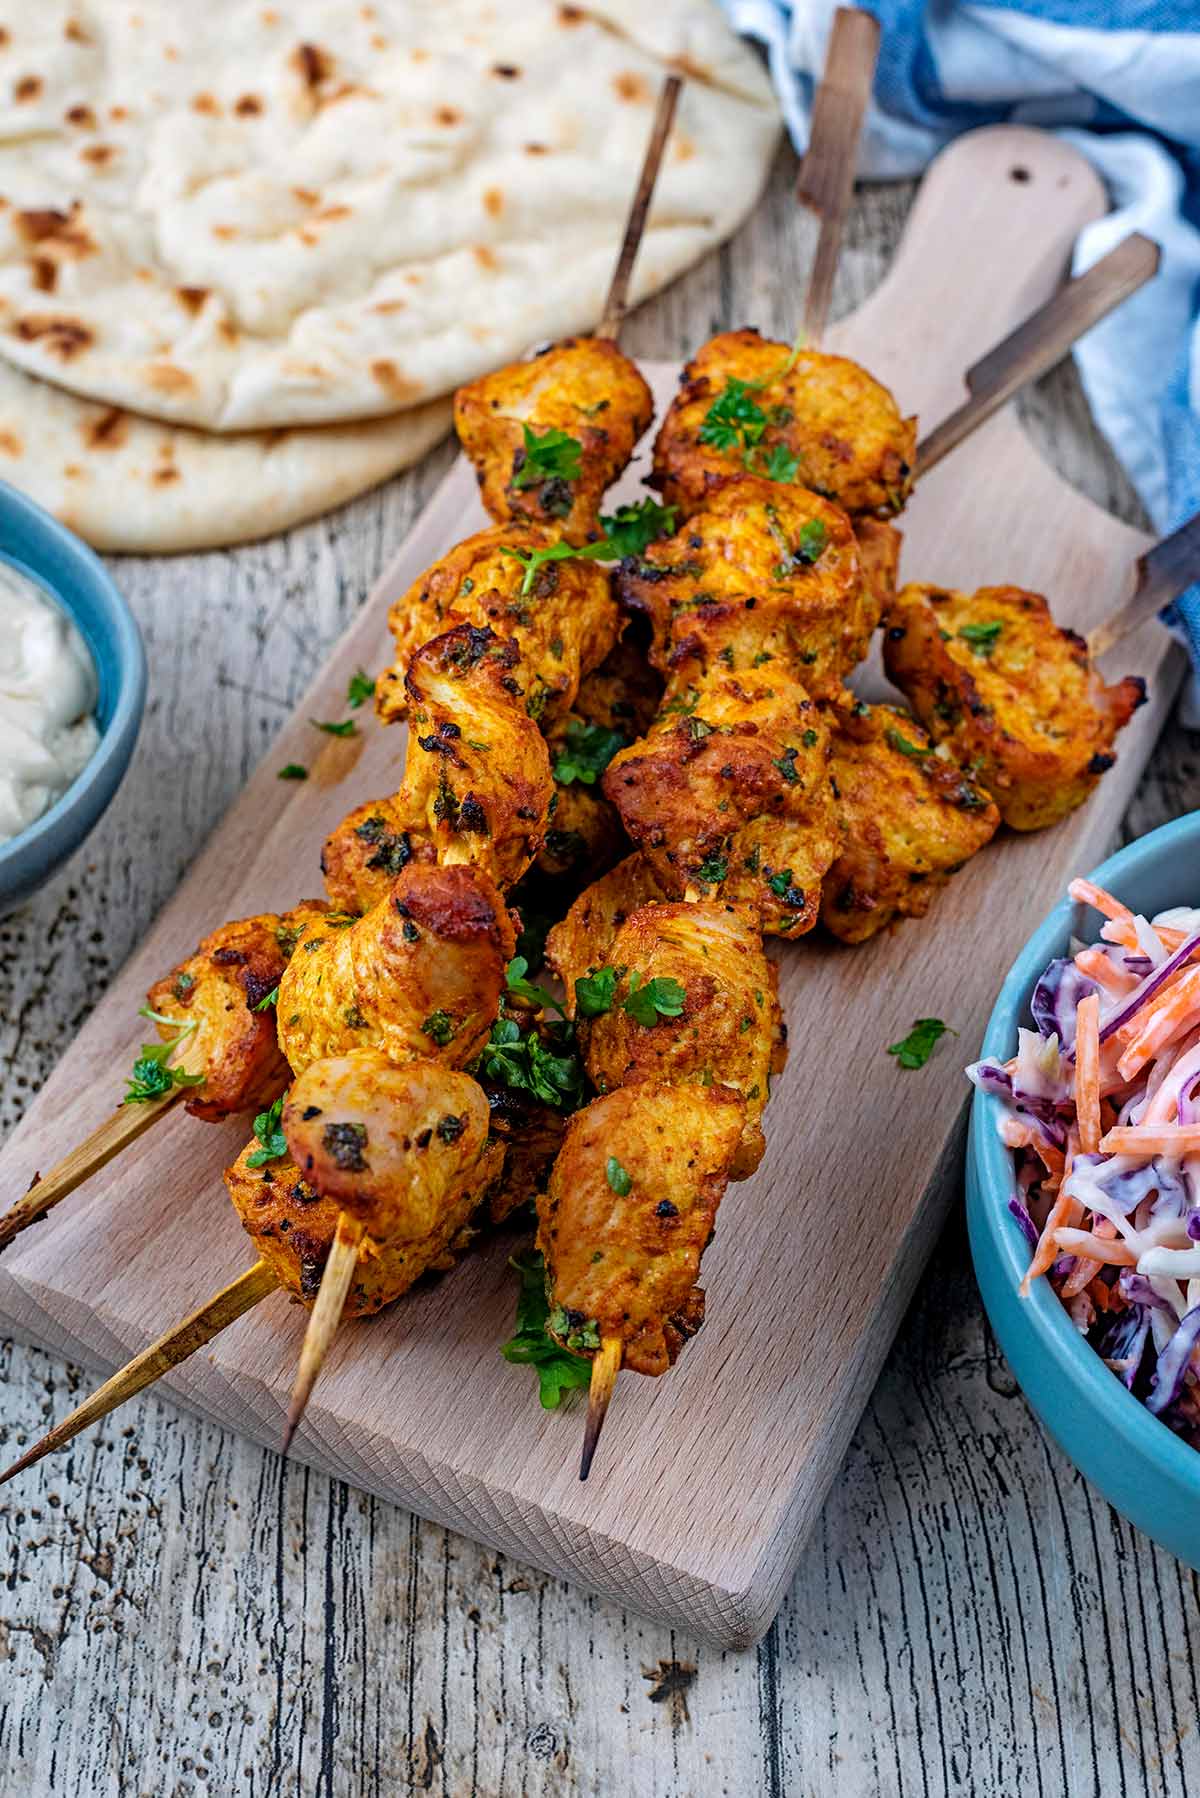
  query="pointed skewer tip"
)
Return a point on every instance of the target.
[
  {"x": 324, "y": 1318},
  {"x": 605, "y": 1368}
]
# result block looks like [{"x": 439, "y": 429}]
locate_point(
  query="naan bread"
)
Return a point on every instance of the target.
[
  {"x": 244, "y": 215},
  {"x": 129, "y": 483}
]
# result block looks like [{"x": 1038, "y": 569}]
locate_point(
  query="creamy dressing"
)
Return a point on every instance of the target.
[{"x": 48, "y": 692}]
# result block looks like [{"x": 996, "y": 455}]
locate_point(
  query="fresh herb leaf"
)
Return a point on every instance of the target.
[
  {"x": 557, "y": 1369},
  {"x": 151, "y": 1077},
  {"x": 587, "y": 751},
  {"x": 914, "y": 1050},
  {"x": 272, "y": 1141},
  {"x": 292, "y": 771},
  {"x": 521, "y": 1060},
  {"x": 517, "y": 984},
  {"x": 361, "y": 688},
  {"x": 594, "y": 992},
  {"x": 981, "y": 637},
  {"x": 774, "y": 464},
  {"x": 734, "y": 420},
  {"x": 713, "y": 868},
  {"x": 554, "y": 456},
  {"x": 440, "y": 1027},
  {"x": 630, "y": 529},
  {"x": 266, "y": 1003},
  {"x": 346, "y": 728},
  {"x": 900, "y": 742},
  {"x": 619, "y": 1178},
  {"x": 661, "y": 997}
]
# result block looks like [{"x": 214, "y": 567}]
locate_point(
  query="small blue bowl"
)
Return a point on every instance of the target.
[
  {"x": 34, "y": 543},
  {"x": 1140, "y": 1466}
]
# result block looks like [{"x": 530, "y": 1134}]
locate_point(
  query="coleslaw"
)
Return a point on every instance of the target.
[{"x": 1102, "y": 1114}]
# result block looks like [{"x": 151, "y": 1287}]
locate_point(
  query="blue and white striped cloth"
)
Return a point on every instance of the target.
[{"x": 1121, "y": 80}]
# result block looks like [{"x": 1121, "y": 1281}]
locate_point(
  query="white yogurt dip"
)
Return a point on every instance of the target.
[{"x": 48, "y": 692}]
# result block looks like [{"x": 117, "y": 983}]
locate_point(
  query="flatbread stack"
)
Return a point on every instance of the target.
[{"x": 247, "y": 250}]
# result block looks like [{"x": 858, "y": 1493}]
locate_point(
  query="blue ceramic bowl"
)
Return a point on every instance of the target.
[
  {"x": 1139, "y": 1465},
  {"x": 34, "y": 543}
]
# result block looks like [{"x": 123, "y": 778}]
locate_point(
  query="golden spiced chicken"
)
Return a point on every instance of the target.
[
  {"x": 627, "y": 1214},
  {"x": 762, "y": 573},
  {"x": 730, "y": 797},
  {"x": 549, "y": 435},
  {"x": 615, "y": 705},
  {"x": 401, "y": 1148},
  {"x": 564, "y": 626},
  {"x": 908, "y": 818},
  {"x": 584, "y": 938},
  {"x": 1012, "y": 695},
  {"x": 477, "y": 784},
  {"x": 420, "y": 974},
  {"x": 749, "y": 404},
  {"x": 693, "y": 1001},
  {"x": 224, "y": 988}
]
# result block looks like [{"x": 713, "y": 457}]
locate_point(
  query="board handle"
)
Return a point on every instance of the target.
[
  {"x": 826, "y": 180},
  {"x": 1163, "y": 573},
  {"x": 1041, "y": 341}
]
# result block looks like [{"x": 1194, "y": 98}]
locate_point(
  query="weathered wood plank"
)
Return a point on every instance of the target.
[{"x": 167, "y": 1625}]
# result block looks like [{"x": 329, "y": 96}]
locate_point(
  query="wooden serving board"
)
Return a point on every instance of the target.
[{"x": 707, "y": 1481}]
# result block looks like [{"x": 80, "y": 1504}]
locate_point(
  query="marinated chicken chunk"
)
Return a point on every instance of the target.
[
  {"x": 419, "y": 975},
  {"x": 584, "y": 938},
  {"x": 530, "y": 1134},
  {"x": 815, "y": 420},
  {"x": 908, "y": 818},
  {"x": 549, "y": 435},
  {"x": 764, "y": 573},
  {"x": 721, "y": 1024},
  {"x": 1012, "y": 695},
  {"x": 223, "y": 988},
  {"x": 564, "y": 626},
  {"x": 730, "y": 798},
  {"x": 371, "y": 845},
  {"x": 403, "y": 1149},
  {"x": 628, "y": 1212}
]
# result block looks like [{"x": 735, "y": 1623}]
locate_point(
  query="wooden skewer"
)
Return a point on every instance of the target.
[
  {"x": 605, "y": 1369},
  {"x": 108, "y": 1140},
  {"x": 1163, "y": 573},
  {"x": 618, "y": 293},
  {"x": 1042, "y": 341},
  {"x": 325, "y": 1317},
  {"x": 186, "y": 1337},
  {"x": 826, "y": 180}
]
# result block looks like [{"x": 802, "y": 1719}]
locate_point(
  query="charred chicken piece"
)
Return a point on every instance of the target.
[
  {"x": 220, "y": 988},
  {"x": 764, "y": 573},
  {"x": 370, "y": 846},
  {"x": 584, "y": 938},
  {"x": 908, "y": 818},
  {"x": 402, "y": 1149},
  {"x": 1012, "y": 695},
  {"x": 530, "y": 1134},
  {"x": 419, "y": 975},
  {"x": 512, "y": 425},
  {"x": 627, "y": 1214},
  {"x": 563, "y": 628},
  {"x": 747, "y": 402},
  {"x": 615, "y": 705},
  {"x": 730, "y": 797},
  {"x": 729, "y": 1028}
]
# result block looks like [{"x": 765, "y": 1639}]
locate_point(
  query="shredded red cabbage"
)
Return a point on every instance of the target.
[
  {"x": 1173, "y": 1364},
  {"x": 1134, "y": 1001}
]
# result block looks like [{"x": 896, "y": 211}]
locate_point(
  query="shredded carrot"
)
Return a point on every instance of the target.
[
  {"x": 1087, "y": 1072},
  {"x": 1152, "y": 1139},
  {"x": 1085, "y": 893},
  {"x": 1070, "y": 1241},
  {"x": 1065, "y": 1210},
  {"x": 1168, "y": 1013},
  {"x": 1022, "y": 1136},
  {"x": 1096, "y": 965}
]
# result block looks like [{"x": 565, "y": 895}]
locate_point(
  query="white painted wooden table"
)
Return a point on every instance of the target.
[{"x": 183, "y": 1613}]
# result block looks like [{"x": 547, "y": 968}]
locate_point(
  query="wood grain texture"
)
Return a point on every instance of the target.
[
  {"x": 184, "y": 1613},
  {"x": 743, "y": 1439}
]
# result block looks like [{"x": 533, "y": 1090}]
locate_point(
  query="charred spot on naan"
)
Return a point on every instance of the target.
[{"x": 65, "y": 338}]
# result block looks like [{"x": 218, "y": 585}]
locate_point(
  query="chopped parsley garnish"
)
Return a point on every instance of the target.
[
  {"x": 554, "y": 456},
  {"x": 630, "y": 529},
  {"x": 619, "y": 1178},
  {"x": 914, "y": 1050},
  {"x": 150, "y": 1077},
  {"x": 440, "y": 1027},
  {"x": 713, "y": 868},
  {"x": 786, "y": 764},
  {"x": 594, "y": 992},
  {"x": 588, "y": 750},
  {"x": 557, "y": 1369},
  {"x": 361, "y": 688},
  {"x": 900, "y": 742},
  {"x": 292, "y": 771},
  {"x": 272, "y": 1141},
  {"x": 345, "y": 728},
  {"x": 809, "y": 739},
  {"x": 661, "y": 997},
  {"x": 522, "y": 1061},
  {"x": 981, "y": 637},
  {"x": 516, "y": 983},
  {"x": 266, "y": 1002},
  {"x": 774, "y": 464},
  {"x": 735, "y": 420}
]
